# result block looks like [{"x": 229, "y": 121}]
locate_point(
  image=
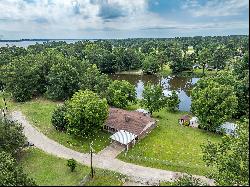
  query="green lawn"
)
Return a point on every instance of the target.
[
  {"x": 48, "y": 170},
  {"x": 195, "y": 73},
  {"x": 166, "y": 71},
  {"x": 131, "y": 72},
  {"x": 171, "y": 146},
  {"x": 39, "y": 112}
]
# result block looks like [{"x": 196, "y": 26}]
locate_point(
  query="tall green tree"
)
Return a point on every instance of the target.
[
  {"x": 92, "y": 79},
  {"x": 219, "y": 58},
  {"x": 230, "y": 158},
  {"x": 63, "y": 79},
  {"x": 176, "y": 60},
  {"x": 213, "y": 103},
  {"x": 86, "y": 113},
  {"x": 204, "y": 57},
  {"x": 120, "y": 93},
  {"x": 151, "y": 64},
  {"x": 21, "y": 78},
  {"x": 173, "y": 102},
  {"x": 153, "y": 98}
]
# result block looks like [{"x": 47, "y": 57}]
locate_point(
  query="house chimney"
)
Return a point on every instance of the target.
[{"x": 127, "y": 118}]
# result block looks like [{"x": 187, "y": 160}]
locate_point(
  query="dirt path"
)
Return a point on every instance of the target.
[{"x": 136, "y": 173}]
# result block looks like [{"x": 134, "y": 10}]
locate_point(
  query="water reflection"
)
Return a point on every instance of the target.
[{"x": 182, "y": 85}]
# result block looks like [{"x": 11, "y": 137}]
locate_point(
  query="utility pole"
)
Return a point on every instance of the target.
[
  {"x": 5, "y": 108},
  {"x": 91, "y": 160}
]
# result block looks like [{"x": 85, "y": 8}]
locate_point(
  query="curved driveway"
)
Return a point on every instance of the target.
[{"x": 140, "y": 174}]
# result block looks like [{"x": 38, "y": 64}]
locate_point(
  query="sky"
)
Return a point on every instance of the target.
[{"x": 93, "y": 19}]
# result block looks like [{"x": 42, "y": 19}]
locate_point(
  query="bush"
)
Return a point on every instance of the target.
[
  {"x": 188, "y": 180},
  {"x": 11, "y": 174},
  {"x": 120, "y": 93},
  {"x": 58, "y": 118},
  {"x": 173, "y": 102},
  {"x": 86, "y": 113},
  {"x": 11, "y": 136},
  {"x": 71, "y": 163}
]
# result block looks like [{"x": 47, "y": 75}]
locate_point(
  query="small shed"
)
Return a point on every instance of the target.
[
  {"x": 184, "y": 120},
  {"x": 227, "y": 128},
  {"x": 194, "y": 122},
  {"x": 124, "y": 137}
]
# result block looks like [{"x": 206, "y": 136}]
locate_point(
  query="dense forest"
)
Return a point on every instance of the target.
[
  {"x": 77, "y": 73},
  {"x": 58, "y": 69}
]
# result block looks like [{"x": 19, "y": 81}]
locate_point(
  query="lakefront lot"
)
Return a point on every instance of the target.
[{"x": 169, "y": 146}]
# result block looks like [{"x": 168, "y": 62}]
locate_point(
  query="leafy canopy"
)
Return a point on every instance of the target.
[
  {"x": 120, "y": 93},
  {"x": 153, "y": 98},
  {"x": 213, "y": 103},
  {"x": 230, "y": 157},
  {"x": 85, "y": 113}
]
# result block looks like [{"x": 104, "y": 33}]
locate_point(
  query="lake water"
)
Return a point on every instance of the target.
[
  {"x": 182, "y": 85},
  {"x": 27, "y": 43}
]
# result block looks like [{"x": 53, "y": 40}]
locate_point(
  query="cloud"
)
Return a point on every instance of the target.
[
  {"x": 60, "y": 18},
  {"x": 216, "y": 8}
]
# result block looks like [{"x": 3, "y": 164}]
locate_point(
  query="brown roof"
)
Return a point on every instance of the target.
[
  {"x": 186, "y": 117},
  {"x": 131, "y": 121}
]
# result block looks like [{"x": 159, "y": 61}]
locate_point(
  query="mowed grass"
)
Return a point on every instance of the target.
[
  {"x": 48, "y": 170},
  {"x": 39, "y": 111},
  {"x": 171, "y": 146}
]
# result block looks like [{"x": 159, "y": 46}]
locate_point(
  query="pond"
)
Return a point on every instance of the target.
[{"x": 182, "y": 85}]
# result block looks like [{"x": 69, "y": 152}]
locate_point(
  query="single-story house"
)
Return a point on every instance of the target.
[
  {"x": 227, "y": 128},
  {"x": 184, "y": 120},
  {"x": 128, "y": 126}
]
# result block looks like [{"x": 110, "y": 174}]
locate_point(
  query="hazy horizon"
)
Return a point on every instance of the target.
[{"x": 120, "y": 19}]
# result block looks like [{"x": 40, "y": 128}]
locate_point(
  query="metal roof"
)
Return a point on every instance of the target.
[{"x": 124, "y": 137}]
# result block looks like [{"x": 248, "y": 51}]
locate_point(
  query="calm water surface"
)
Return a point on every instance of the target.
[
  {"x": 182, "y": 85},
  {"x": 27, "y": 43}
]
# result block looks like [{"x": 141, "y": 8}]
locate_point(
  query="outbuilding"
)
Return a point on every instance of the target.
[
  {"x": 227, "y": 128},
  {"x": 184, "y": 120},
  {"x": 194, "y": 122}
]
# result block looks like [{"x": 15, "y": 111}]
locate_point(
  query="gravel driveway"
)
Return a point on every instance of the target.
[{"x": 136, "y": 173}]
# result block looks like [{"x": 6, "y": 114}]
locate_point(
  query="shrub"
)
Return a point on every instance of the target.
[
  {"x": 11, "y": 136},
  {"x": 71, "y": 163},
  {"x": 11, "y": 174},
  {"x": 58, "y": 118},
  {"x": 173, "y": 102},
  {"x": 188, "y": 180}
]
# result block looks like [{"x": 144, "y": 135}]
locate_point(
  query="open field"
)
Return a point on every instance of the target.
[
  {"x": 48, "y": 170},
  {"x": 171, "y": 146},
  {"x": 39, "y": 112}
]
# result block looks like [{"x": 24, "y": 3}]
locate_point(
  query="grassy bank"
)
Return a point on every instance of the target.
[
  {"x": 132, "y": 72},
  {"x": 195, "y": 73},
  {"x": 48, "y": 170},
  {"x": 39, "y": 111},
  {"x": 171, "y": 146}
]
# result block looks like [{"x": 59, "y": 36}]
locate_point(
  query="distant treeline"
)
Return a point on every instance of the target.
[{"x": 54, "y": 66}]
